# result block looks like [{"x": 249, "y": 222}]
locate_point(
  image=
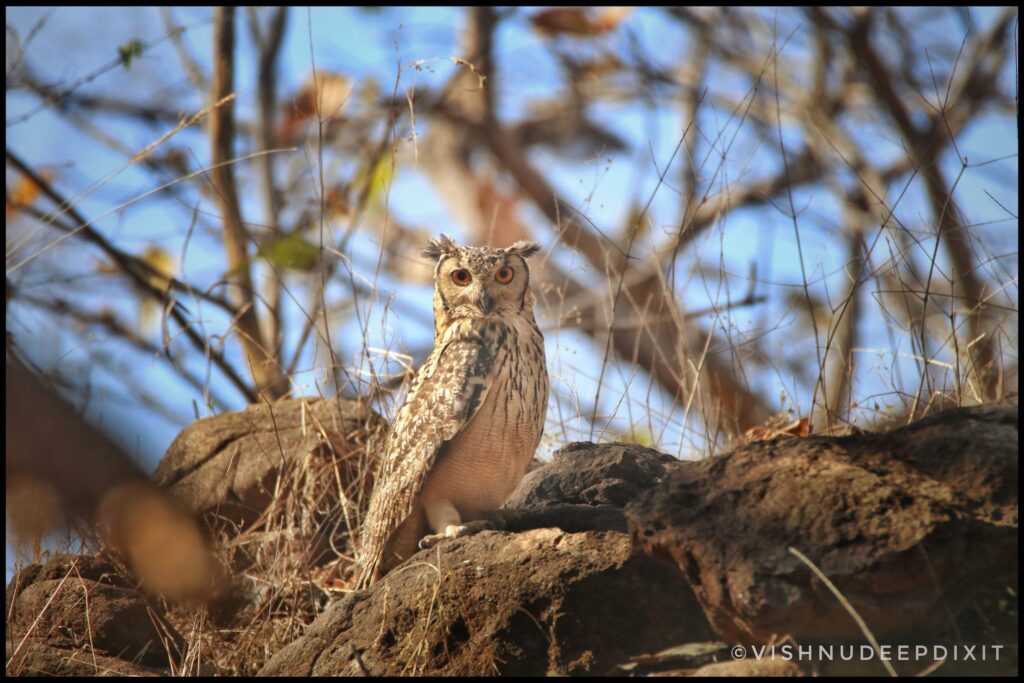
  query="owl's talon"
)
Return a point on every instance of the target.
[
  {"x": 430, "y": 541},
  {"x": 456, "y": 531}
]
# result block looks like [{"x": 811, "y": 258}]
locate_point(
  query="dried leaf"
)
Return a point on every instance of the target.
[
  {"x": 161, "y": 541},
  {"x": 770, "y": 430},
  {"x": 557, "y": 20},
  {"x": 609, "y": 18},
  {"x": 25, "y": 193},
  {"x": 163, "y": 264},
  {"x": 33, "y": 508},
  {"x": 337, "y": 203},
  {"x": 326, "y": 95},
  {"x": 578, "y": 21}
]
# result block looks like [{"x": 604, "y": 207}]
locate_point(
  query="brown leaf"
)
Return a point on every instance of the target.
[
  {"x": 25, "y": 193},
  {"x": 578, "y": 21},
  {"x": 799, "y": 428},
  {"x": 334, "y": 91},
  {"x": 571, "y": 20},
  {"x": 609, "y": 18}
]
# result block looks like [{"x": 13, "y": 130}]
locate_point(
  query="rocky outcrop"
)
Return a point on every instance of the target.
[
  {"x": 584, "y": 488},
  {"x": 582, "y": 473},
  {"x": 534, "y": 603},
  {"x": 543, "y": 601},
  {"x": 612, "y": 558},
  {"x": 282, "y": 486},
  {"x": 77, "y": 616},
  {"x": 229, "y": 465},
  {"x": 905, "y": 524}
]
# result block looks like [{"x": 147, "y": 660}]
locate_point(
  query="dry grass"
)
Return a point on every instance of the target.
[{"x": 290, "y": 561}]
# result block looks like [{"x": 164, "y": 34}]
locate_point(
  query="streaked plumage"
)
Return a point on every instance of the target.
[{"x": 474, "y": 415}]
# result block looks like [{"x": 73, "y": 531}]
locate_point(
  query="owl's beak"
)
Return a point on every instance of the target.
[{"x": 486, "y": 302}]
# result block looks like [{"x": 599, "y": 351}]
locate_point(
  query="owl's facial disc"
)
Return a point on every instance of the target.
[{"x": 473, "y": 282}]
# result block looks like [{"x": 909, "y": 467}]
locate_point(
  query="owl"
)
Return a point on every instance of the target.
[{"x": 474, "y": 414}]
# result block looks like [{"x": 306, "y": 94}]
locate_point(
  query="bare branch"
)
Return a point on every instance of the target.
[
  {"x": 270, "y": 380},
  {"x": 139, "y": 272}
]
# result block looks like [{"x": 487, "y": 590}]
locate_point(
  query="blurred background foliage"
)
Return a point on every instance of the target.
[{"x": 745, "y": 212}]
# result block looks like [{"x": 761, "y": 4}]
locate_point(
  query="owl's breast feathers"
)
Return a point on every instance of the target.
[{"x": 447, "y": 392}]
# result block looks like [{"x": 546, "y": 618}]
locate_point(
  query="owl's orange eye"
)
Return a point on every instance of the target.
[
  {"x": 504, "y": 275},
  {"x": 461, "y": 277}
]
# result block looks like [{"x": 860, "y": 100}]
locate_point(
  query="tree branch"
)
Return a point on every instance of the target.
[
  {"x": 270, "y": 49},
  {"x": 924, "y": 146},
  {"x": 139, "y": 272},
  {"x": 266, "y": 371}
]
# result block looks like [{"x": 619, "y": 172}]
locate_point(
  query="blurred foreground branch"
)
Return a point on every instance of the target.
[{"x": 57, "y": 465}]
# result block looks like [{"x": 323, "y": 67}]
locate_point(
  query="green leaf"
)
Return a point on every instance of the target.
[
  {"x": 291, "y": 251},
  {"x": 129, "y": 51},
  {"x": 638, "y": 435},
  {"x": 378, "y": 178}
]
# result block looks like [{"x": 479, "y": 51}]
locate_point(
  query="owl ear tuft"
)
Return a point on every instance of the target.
[
  {"x": 524, "y": 248},
  {"x": 439, "y": 246}
]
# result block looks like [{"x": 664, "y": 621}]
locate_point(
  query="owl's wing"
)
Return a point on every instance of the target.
[{"x": 445, "y": 395}]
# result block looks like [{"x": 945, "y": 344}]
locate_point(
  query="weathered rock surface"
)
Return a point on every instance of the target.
[
  {"x": 534, "y": 603},
  {"x": 583, "y": 473},
  {"x": 228, "y": 465},
  {"x": 906, "y": 524},
  {"x": 537, "y": 602},
  {"x": 37, "y": 658},
  {"x": 83, "y": 620},
  {"x": 584, "y": 488}
]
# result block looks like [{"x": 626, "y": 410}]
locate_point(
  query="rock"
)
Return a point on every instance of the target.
[
  {"x": 83, "y": 619},
  {"x": 531, "y": 603},
  {"x": 229, "y": 465},
  {"x": 566, "y": 516},
  {"x": 584, "y": 488},
  {"x": 981, "y": 466},
  {"x": 584, "y": 473},
  {"x": 906, "y": 525},
  {"x": 37, "y": 658},
  {"x": 281, "y": 486},
  {"x": 535, "y": 603}
]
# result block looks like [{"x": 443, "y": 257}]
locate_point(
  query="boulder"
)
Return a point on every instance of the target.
[
  {"x": 584, "y": 488},
  {"x": 610, "y": 559},
  {"x": 231, "y": 466},
  {"x": 905, "y": 524},
  {"x": 534, "y": 603},
  {"x": 570, "y": 598},
  {"x": 82, "y": 618},
  {"x": 583, "y": 473}
]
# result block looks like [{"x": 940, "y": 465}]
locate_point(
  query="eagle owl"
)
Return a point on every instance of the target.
[{"x": 474, "y": 415}]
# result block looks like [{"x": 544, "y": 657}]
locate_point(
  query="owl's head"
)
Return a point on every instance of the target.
[{"x": 478, "y": 281}]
